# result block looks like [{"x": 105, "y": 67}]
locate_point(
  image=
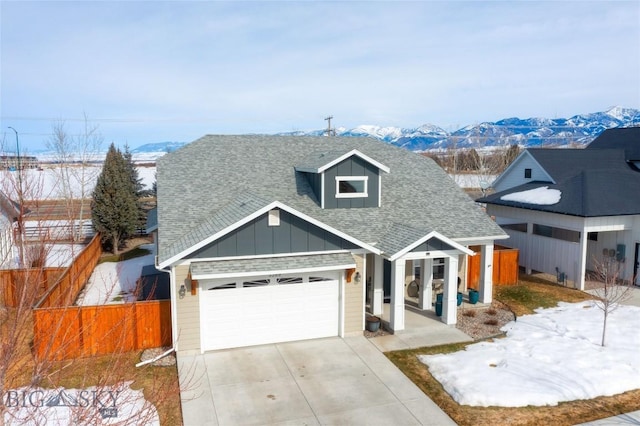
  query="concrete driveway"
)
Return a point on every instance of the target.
[{"x": 323, "y": 381}]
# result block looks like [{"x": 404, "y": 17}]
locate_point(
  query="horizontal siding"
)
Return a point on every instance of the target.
[
  {"x": 188, "y": 313},
  {"x": 515, "y": 175}
]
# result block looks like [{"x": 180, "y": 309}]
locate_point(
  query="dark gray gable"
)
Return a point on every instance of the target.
[
  {"x": 293, "y": 235},
  {"x": 433, "y": 244},
  {"x": 626, "y": 139},
  {"x": 356, "y": 167}
]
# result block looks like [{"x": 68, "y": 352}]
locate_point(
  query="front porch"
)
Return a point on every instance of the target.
[
  {"x": 422, "y": 328},
  {"x": 392, "y": 277}
]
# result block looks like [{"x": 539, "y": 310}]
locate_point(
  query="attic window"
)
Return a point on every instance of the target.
[
  {"x": 274, "y": 217},
  {"x": 351, "y": 186},
  {"x": 527, "y": 173}
]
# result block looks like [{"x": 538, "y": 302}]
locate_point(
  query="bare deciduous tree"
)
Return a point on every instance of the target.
[
  {"x": 27, "y": 376},
  {"x": 613, "y": 290},
  {"x": 74, "y": 156}
]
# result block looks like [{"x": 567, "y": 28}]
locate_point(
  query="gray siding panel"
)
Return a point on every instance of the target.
[
  {"x": 294, "y": 235},
  {"x": 354, "y": 166},
  {"x": 227, "y": 246},
  {"x": 315, "y": 182},
  {"x": 244, "y": 237},
  {"x": 264, "y": 236},
  {"x": 316, "y": 239},
  {"x": 282, "y": 244},
  {"x": 299, "y": 235},
  {"x": 433, "y": 244}
]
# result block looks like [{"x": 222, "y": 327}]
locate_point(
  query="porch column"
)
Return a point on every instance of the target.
[
  {"x": 486, "y": 273},
  {"x": 529, "y": 243},
  {"x": 426, "y": 288},
  {"x": 450, "y": 296},
  {"x": 582, "y": 262},
  {"x": 378, "y": 289},
  {"x": 396, "y": 320}
]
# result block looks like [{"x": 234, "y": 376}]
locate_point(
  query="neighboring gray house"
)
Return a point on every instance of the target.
[
  {"x": 278, "y": 238},
  {"x": 567, "y": 210}
]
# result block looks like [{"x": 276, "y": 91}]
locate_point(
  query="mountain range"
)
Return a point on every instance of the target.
[{"x": 530, "y": 132}]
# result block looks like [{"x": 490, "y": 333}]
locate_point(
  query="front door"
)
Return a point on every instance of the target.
[{"x": 636, "y": 265}]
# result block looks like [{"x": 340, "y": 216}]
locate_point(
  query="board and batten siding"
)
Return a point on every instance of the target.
[
  {"x": 292, "y": 235},
  {"x": 515, "y": 175},
  {"x": 355, "y": 167},
  {"x": 354, "y": 299},
  {"x": 187, "y": 311}
]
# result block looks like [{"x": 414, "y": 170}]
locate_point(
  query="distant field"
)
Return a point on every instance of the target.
[{"x": 46, "y": 183}]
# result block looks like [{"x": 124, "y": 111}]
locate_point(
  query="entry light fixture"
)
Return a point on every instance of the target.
[
  {"x": 357, "y": 278},
  {"x": 182, "y": 291}
]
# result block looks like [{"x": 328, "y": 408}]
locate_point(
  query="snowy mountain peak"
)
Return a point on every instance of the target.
[
  {"x": 538, "y": 131},
  {"x": 620, "y": 113}
]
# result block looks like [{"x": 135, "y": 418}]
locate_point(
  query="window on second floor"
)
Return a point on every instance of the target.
[
  {"x": 527, "y": 173},
  {"x": 351, "y": 186}
]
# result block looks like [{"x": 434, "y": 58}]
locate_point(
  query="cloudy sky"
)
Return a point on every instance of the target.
[{"x": 156, "y": 71}]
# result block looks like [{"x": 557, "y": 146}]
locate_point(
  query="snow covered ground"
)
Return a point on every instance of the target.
[
  {"x": 115, "y": 282},
  {"x": 473, "y": 180},
  {"x": 546, "y": 358},
  {"x": 46, "y": 183}
]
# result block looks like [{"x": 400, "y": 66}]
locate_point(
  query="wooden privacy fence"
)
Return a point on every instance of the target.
[
  {"x": 48, "y": 287},
  {"x": 36, "y": 282},
  {"x": 82, "y": 331},
  {"x": 505, "y": 266},
  {"x": 66, "y": 290}
]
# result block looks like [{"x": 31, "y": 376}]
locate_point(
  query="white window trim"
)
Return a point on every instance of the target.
[
  {"x": 274, "y": 217},
  {"x": 364, "y": 194}
]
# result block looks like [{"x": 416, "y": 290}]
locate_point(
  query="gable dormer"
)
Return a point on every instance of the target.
[
  {"x": 524, "y": 169},
  {"x": 344, "y": 179}
]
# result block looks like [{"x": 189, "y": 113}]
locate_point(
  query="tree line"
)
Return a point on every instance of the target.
[{"x": 456, "y": 160}]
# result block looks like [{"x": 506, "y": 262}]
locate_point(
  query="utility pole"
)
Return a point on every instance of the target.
[{"x": 329, "y": 131}]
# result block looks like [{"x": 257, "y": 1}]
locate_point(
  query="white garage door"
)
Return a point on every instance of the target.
[{"x": 261, "y": 310}]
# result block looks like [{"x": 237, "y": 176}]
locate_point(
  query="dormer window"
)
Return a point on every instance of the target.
[
  {"x": 352, "y": 186},
  {"x": 344, "y": 179}
]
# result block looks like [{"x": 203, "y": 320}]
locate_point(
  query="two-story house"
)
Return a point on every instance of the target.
[
  {"x": 276, "y": 238},
  {"x": 570, "y": 210}
]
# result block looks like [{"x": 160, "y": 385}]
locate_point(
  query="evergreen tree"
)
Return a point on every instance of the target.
[
  {"x": 136, "y": 186},
  {"x": 136, "y": 181},
  {"x": 114, "y": 208},
  {"x": 154, "y": 187}
]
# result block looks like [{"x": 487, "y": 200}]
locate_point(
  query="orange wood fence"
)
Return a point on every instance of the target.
[
  {"x": 83, "y": 331},
  {"x": 505, "y": 266},
  {"x": 48, "y": 287},
  {"x": 24, "y": 286},
  {"x": 66, "y": 290}
]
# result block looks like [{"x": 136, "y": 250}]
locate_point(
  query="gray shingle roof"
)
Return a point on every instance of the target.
[
  {"x": 626, "y": 139},
  {"x": 595, "y": 181},
  {"x": 268, "y": 264},
  {"x": 563, "y": 164},
  {"x": 316, "y": 160},
  {"x": 201, "y": 187}
]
